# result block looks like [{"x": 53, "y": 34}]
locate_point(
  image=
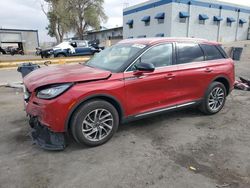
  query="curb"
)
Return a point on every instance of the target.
[{"x": 41, "y": 62}]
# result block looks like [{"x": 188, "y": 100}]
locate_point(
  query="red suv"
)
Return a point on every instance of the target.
[{"x": 133, "y": 79}]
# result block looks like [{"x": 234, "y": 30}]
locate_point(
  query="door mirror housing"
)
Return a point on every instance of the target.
[{"x": 145, "y": 67}]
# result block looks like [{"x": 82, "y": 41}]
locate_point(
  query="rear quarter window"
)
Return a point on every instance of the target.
[
  {"x": 211, "y": 52},
  {"x": 188, "y": 53}
]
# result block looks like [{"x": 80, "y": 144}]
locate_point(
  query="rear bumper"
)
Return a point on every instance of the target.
[{"x": 44, "y": 137}]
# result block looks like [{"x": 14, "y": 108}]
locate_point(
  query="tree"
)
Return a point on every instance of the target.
[
  {"x": 59, "y": 18},
  {"x": 85, "y": 14},
  {"x": 73, "y": 15}
]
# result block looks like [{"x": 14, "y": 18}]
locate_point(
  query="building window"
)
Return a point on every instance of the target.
[
  {"x": 146, "y": 20},
  {"x": 217, "y": 20},
  {"x": 229, "y": 24},
  {"x": 160, "y": 21},
  {"x": 242, "y": 22},
  {"x": 183, "y": 20},
  {"x": 142, "y": 36},
  {"x": 147, "y": 23},
  {"x": 203, "y": 18},
  {"x": 202, "y": 22},
  {"x": 216, "y": 23},
  {"x": 159, "y": 35},
  {"x": 130, "y": 23},
  {"x": 183, "y": 17},
  {"x": 160, "y": 17},
  {"x": 230, "y": 20}
]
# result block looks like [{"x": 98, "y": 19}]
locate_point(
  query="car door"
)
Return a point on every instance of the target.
[
  {"x": 82, "y": 49},
  {"x": 194, "y": 73},
  {"x": 154, "y": 90}
]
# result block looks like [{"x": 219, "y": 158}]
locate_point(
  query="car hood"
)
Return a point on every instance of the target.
[{"x": 63, "y": 74}]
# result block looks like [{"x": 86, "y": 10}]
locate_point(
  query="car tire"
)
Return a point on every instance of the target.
[
  {"x": 60, "y": 55},
  {"x": 94, "y": 123},
  {"x": 215, "y": 99}
]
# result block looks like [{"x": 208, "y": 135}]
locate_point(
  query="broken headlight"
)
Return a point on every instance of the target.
[{"x": 53, "y": 91}]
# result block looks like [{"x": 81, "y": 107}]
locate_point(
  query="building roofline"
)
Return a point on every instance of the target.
[
  {"x": 99, "y": 31},
  {"x": 216, "y": 4},
  {"x": 25, "y": 30}
]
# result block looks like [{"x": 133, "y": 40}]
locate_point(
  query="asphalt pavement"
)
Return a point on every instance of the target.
[{"x": 9, "y": 75}]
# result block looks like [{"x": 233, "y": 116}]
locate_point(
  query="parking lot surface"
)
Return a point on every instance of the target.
[{"x": 183, "y": 149}]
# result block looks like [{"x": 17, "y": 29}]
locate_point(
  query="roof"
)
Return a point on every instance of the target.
[
  {"x": 202, "y": 3},
  {"x": 22, "y": 30},
  {"x": 157, "y": 40},
  {"x": 104, "y": 30}
]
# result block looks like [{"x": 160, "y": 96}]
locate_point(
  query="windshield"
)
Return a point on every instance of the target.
[
  {"x": 62, "y": 45},
  {"x": 114, "y": 57}
]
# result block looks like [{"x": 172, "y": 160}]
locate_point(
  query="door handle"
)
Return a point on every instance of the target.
[
  {"x": 170, "y": 76},
  {"x": 208, "y": 70}
]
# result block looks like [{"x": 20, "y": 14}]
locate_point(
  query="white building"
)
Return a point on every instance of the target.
[{"x": 212, "y": 20}]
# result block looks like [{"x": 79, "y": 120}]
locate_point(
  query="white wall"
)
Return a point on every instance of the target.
[
  {"x": 173, "y": 28},
  {"x": 207, "y": 31},
  {"x": 179, "y": 29},
  {"x": 242, "y": 32},
  {"x": 227, "y": 34},
  {"x": 139, "y": 27},
  {"x": 30, "y": 41}
]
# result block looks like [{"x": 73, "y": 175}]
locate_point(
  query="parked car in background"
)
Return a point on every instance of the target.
[
  {"x": 16, "y": 51},
  {"x": 12, "y": 50},
  {"x": 46, "y": 53},
  {"x": 71, "y": 48},
  {"x": 2, "y": 51},
  {"x": 133, "y": 79}
]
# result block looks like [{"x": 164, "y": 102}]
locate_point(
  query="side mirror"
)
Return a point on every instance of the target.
[{"x": 145, "y": 67}]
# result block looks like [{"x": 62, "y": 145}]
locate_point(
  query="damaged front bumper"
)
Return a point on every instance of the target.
[{"x": 44, "y": 137}]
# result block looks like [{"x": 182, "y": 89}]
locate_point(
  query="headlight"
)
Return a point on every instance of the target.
[{"x": 53, "y": 91}]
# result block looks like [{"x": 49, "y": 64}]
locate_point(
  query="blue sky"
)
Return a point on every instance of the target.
[{"x": 27, "y": 14}]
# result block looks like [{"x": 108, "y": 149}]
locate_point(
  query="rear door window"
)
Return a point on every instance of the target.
[
  {"x": 188, "y": 53},
  {"x": 211, "y": 52}
]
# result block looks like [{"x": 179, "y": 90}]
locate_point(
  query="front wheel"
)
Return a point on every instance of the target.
[
  {"x": 94, "y": 123},
  {"x": 215, "y": 98}
]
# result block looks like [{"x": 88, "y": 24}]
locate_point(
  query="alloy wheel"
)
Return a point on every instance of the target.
[
  {"x": 216, "y": 99},
  {"x": 97, "y": 124}
]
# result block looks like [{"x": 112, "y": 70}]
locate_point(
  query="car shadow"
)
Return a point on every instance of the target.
[
  {"x": 145, "y": 123},
  {"x": 163, "y": 117}
]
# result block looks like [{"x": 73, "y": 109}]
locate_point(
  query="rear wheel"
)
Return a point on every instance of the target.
[
  {"x": 94, "y": 123},
  {"x": 215, "y": 98},
  {"x": 60, "y": 55}
]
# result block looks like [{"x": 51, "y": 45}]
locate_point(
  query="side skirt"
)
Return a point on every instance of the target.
[{"x": 160, "y": 111}]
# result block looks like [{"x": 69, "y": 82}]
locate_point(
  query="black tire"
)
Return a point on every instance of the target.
[
  {"x": 76, "y": 124},
  {"x": 205, "y": 107},
  {"x": 60, "y": 55}
]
